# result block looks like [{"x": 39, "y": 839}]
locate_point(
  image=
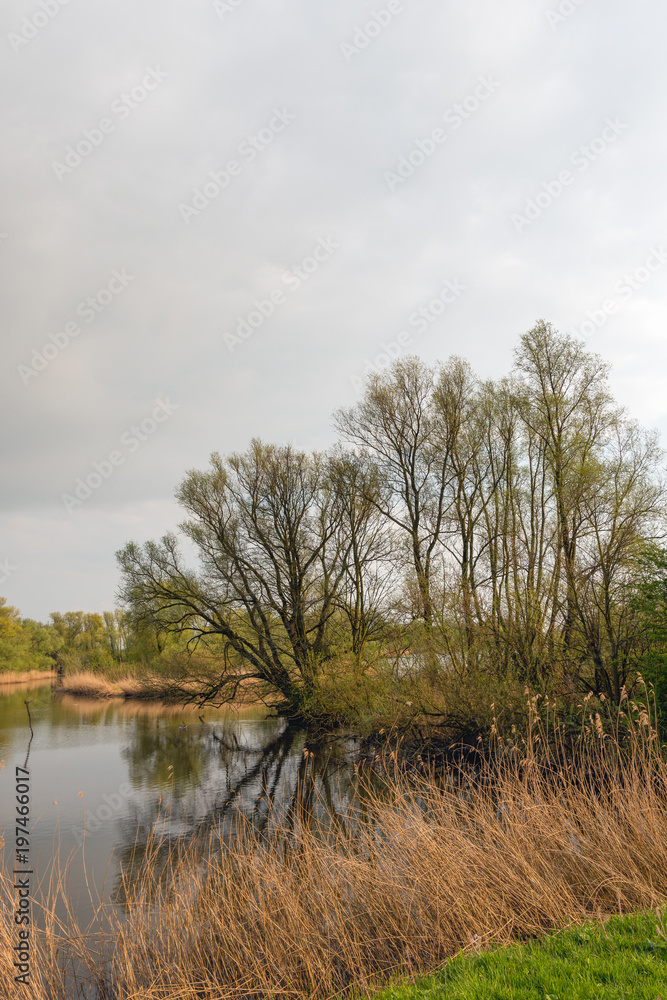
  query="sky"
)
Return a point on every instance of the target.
[{"x": 217, "y": 216}]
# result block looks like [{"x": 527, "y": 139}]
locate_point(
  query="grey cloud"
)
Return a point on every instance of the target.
[{"x": 321, "y": 176}]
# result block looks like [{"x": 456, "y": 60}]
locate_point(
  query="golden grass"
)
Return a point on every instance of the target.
[
  {"x": 27, "y": 675},
  {"x": 418, "y": 871},
  {"x": 130, "y": 707},
  {"x": 85, "y": 683},
  {"x": 90, "y": 685}
]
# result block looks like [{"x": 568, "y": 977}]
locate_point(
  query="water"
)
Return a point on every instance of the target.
[{"x": 112, "y": 774}]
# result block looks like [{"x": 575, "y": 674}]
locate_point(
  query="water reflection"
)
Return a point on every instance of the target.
[{"x": 136, "y": 776}]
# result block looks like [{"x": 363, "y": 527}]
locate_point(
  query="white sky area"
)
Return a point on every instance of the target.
[{"x": 402, "y": 139}]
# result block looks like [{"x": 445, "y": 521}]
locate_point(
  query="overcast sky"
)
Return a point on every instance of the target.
[{"x": 216, "y": 215}]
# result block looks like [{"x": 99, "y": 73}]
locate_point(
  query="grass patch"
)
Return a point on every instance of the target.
[{"x": 625, "y": 956}]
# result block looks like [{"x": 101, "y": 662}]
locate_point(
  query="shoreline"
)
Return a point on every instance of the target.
[
  {"x": 460, "y": 882},
  {"x": 26, "y": 676},
  {"x": 95, "y": 687},
  {"x": 151, "y": 688},
  {"x": 87, "y": 684}
]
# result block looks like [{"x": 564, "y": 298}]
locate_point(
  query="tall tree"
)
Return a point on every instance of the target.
[
  {"x": 366, "y": 546},
  {"x": 623, "y": 515},
  {"x": 394, "y": 424},
  {"x": 568, "y": 406},
  {"x": 266, "y": 526}
]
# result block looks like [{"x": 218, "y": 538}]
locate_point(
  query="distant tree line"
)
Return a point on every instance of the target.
[{"x": 78, "y": 640}]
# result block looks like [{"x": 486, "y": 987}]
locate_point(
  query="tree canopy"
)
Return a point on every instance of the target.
[{"x": 495, "y": 526}]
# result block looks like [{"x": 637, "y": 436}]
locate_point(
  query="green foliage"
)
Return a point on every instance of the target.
[
  {"x": 77, "y": 641},
  {"x": 464, "y": 541},
  {"x": 364, "y": 699},
  {"x": 654, "y": 671},
  {"x": 25, "y": 644},
  {"x": 649, "y": 603},
  {"x": 497, "y": 527},
  {"x": 624, "y": 957}
]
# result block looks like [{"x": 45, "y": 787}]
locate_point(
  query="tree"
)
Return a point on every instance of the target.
[
  {"x": 366, "y": 547},
  {"x": 25, "y": 644},
  {"x": 267, "y": 528},
  {"x": 10, "y": 621},
  {"x": 462, "y": 420},
  {"x": 650, "y": 605},
  {"x": 622, "y": 516},
  {"x": 513, "y": 515},
  {"x": 394, "y": 425},
  {"x": 566, "y": 403},
  {"x": 607, "y": 498},
  {"x": 69, "y": 627},
  {"x": 524, "y": 621},
  {"x": 116, "y": 633}
]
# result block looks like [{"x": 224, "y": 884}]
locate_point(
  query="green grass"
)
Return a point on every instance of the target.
[{"x": 624, "y": 957}]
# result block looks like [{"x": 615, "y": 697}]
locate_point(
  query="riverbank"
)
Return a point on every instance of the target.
[
  {"x": 26, "y": 676},
  {"x": 86, "y": 684},
  {"x": 144, "y": 686},
  {"x": 410, "y": 874}
]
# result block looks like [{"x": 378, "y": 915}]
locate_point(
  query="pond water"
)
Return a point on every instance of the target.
[{"x": 112, "y": 774}]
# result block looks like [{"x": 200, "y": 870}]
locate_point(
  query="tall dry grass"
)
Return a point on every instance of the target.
[
  {"x": 131, "y": 707},
  {"x": 85, "y": 683},
  {"x": 88, "y": 684},
  {"x": 541, "y": 834},
  {"x": 27, "y": 676},
  {"x": 144, "y": 685}
]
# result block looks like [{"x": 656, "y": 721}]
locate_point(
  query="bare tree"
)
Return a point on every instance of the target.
[
  {"x": 623, "y": 514},
  {"x": 513, "y": 514},
  {"x": 394, "y": 424},
  {"x": 266, "y": 526},
  {"x": 366, "y": 544},
  {"x": 566, "y": 404}
]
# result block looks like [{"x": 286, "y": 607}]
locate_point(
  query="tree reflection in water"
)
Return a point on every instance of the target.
[{"x": 285, "y": 783}]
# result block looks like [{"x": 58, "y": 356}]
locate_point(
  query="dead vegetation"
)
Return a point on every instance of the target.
[{"x": 418, "y": 870}]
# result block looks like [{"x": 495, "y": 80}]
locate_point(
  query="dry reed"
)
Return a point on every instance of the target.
[
  {"x": 88, "y": 684},
  {"x": 130, "y": 707},
  {"x": 542, "y": 835},
  {"x": 145, "y": 685},
  {"x": 27, "y": 676},
  {"x": 91, "y": 685}
]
